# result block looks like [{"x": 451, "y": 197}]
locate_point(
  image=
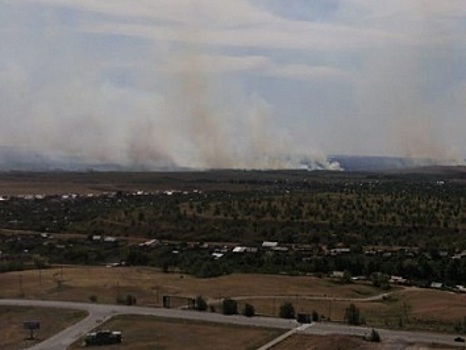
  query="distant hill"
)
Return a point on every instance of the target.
[
  {"x": 16, "y": 160},
  {"x": 383, "y": 164}
]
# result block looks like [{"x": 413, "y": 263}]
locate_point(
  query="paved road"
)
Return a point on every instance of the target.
[
  {"x": 306, "y": 297},
  {"x": 101, "y": 312}
]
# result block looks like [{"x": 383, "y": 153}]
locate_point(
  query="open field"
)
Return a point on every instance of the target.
[
  {"x": 51, "y": 183},
  {"x": 148, "y": 332},
  {"x": 149, "y": 285},
  {"x": 343, "y": 342},
  {"x": 14, "y": 337},
  {"x": 329, "y": 342},
  {"x": 409, "y": 308}
]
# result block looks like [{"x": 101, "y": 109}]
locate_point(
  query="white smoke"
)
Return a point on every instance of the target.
[{"x": 169, "y": 109}]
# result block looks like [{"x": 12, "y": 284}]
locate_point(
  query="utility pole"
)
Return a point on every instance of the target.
[
  {"x": 21, "y": 285},
  {"x": 329, "y": 310}
]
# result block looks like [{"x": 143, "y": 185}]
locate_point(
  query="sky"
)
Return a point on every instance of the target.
[{"x": 233, "y": 83}]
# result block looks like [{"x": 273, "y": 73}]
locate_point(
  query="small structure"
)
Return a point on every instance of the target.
[
  {"x": 179, "y": 301},
  {"x": 303, "y": 318},
  {"x": 239, "y": 249},
  {"x": 269, "y": 245},
  {"x": 338, "y": 274}
]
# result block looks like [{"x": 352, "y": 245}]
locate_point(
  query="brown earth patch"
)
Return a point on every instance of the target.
[{"x": 14, "y": 337}]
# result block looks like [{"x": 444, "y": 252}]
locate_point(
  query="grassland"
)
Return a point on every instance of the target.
[
  {"x": 14, "y": 337},
  {"x": 148, "y": 332},
  {"x": 149, "y": 284},
  {"x": 407, "y": 308}
]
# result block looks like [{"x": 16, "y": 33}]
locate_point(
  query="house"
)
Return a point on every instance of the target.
[
  {"x": 436, "y": 285},
  {"x": 110, "y": 239},
  {"x": 269, "y": 245},
  {"x": 281, "y": 249},
  {"x": 149, "y": 244},
  {"x": 398, "y": 280},
  {"x": 459, "y": 255},
  {"x": 217, "y": 255},
  {"x": 105, "y": 239},
  {"x": 339, "y": 251},
  {"x": 338, "y": 274},
  {"x": 239, "y": 249}
]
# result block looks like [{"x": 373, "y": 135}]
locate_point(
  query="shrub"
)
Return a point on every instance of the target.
[
  {"x": 374, "y": 336},
  {"x": 229, "y": 307},
  {"x": 249, "y": 310},
  {"x": 287, "y": 310},
  {"x": 200, "y": 304},
  {"x": 131, "y": 299},
  {"x": 353, "y": 315}
]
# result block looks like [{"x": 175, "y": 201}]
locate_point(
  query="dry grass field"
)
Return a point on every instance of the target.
[
  {"x": 418, "y": 308},
  {"x": 407, "y": 308},
  {"x": 343, "y": 342},
  {"x": 52, "y": 183},
  {"x": 148, "y": 332},
  {"x": 330, "y": 342},
  {"x": 14, "y": 337},
  {"x": 148, "y": 285}
]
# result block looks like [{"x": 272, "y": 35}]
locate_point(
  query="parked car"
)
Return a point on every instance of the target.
[{"x": 103, "y": 337}]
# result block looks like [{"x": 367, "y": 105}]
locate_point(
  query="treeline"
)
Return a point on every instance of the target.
[
  {"x": 328, "y": 210},
  {"x": 360, "y": 211}
]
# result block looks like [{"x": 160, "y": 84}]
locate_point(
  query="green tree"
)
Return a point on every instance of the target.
[
  {"x": 353, "y": 315},
  {"x": 200, "y": 304},
  {"x": 249, "y": 310},
  {"x": 287, "y": 310},
  {"x": 131, "y": 299},
  {"x": 229, "y": 306},
  {"x": 380, "y": 280}
]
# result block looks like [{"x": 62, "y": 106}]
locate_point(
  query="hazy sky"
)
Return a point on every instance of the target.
[{"x": 232, "y": 83}]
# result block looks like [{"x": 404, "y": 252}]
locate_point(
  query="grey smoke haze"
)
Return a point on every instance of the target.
[{"x": 236, "y": 83}]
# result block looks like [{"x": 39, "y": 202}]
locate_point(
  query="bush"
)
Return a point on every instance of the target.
[
  {"x": 200, "y": 304},
  {"x": 287, "y": 310},
  {"x": 353, "y": 315},
  {"x": 374, "y": 336},
  {"x": 229, "y": 307},
  {"x": 249, "y": 310},
  {"x": 93, "y": 298},
  {"x": 130, "y": 300}
]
